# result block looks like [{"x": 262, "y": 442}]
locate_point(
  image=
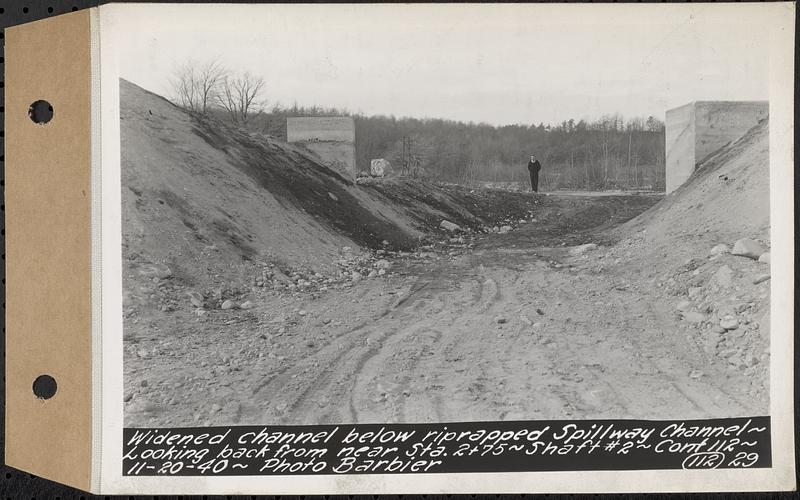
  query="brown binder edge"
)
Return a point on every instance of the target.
[{"x": 49, "y": 247}]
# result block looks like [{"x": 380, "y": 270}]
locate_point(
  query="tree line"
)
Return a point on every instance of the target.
[{"x": 606, "y": 153}]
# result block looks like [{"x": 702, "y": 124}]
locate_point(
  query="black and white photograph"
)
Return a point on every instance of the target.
[{"x": 408, "y": 214}]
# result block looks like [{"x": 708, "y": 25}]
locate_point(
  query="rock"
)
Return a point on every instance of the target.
[
  {"x": 537, "y": 325},
  {"x": 694, "y": 291},
  {"x": 382, "y": 264},
  {"x": 247, "y": 305},
  {"x": 142, "y": 353},
  {"x": 720, "y": 249},
  {"x": 539, "y": 312},
  {"x": 196, "y": 299},
  {"x": 695, "y": 374},
  {"x": 215, "y": 408},
  {"x": 333, "y": 196},
  {"x": 683, "y": 305},
  {"x": 356, "y": 276},
  {"x": 746, "y": 247},
  {"x": 694, "y": 317},
  {"x": 505, "y": 229},
  {"x": 155, "y": 271},
  {"x": 143, "y": 383},
  {"x": 381, "y": 272},
  {"x": 500, "y": 319},
  {"x": 372, "y": 274},
  {"x": 302, "y": 312},
  {"x": 148, "y": 406},
  {"x": 228, "y": 304},
  {"x": 724, "y": 276},
  {"x": 582, "y": 249},
  {"x": 736, "y": 361},
  {"x": 729, "y": 323},
  {"x": 380, "y": 168},
  {"x": 449, "y": 226},
  {"x": 765, "y": 258},
  {"x": 760, "y": 278}
]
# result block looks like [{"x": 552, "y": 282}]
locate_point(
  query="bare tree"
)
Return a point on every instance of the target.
[
  {"x": 241, "y": 97},
  {"x": 195, "y": 85},
  {"x": 184, "y": 86},
  {"x": 209, "y": 78}
]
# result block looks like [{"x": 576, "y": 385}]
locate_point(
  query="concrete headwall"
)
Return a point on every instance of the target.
[
  {"x": 719, "y": 123},
  {"x": 698, "y": 129},
  {"x": 338, "y": 155},
  {"x": 679, "y": 136},
  {"x": 332, "y": 138}
]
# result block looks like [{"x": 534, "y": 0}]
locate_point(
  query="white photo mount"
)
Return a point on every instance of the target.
[{"x": 65, "y": 289}]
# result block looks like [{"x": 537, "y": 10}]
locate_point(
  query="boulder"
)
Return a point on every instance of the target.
[
  {"x": 196, "y": 299},
  {"x": 582, "y": 249},
  {"x": 694, "y": 317},
  {"x": 247, "y": 305},
  {"x": 724, "y": 276},
  {"x": 729, "y": 323},
  {"x": 382, "y": 264},
  {"x": 449, "y": 226},
  {"x": 505, "y": 229},
  {"x": 765, "y": 258},
  {"x": 160, "y": 271},
  {"x": 720, "y": 249},
  {"x": 380, "y": 168},
  {"x": 229, "y": 304},
  {"x": 760, "y": 279},
  {"x": 683, "y": 305},
  {"x": 746, "y": 247}
]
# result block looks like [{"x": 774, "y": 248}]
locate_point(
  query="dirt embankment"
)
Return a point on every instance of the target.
[{"x": 210, "y": 208}]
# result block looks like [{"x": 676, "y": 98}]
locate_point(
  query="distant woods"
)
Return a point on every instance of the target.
[
  {"x": 607, "y": 153},
  {"x": 210, "y": 87}
]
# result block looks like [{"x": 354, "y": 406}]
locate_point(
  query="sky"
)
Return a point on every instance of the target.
[{"x": 494, "y": 63}]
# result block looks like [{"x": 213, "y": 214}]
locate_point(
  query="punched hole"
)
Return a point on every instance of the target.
[
  {"x": 40, "y": 112},
  {"x": 44, "y": 387}
]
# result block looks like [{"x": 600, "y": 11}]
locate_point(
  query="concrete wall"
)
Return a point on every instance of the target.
[
  {"x": 338, "y": 155},
  {"x": 679, "y": 138},
  {"x": 332, "y": 138},
  {"x": 718, "y": 123},
  {"x": 321, "y": 128},
  {"x": 698, "y": 129}
]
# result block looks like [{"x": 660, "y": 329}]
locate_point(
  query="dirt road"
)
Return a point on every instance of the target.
[{"x": 519, "y": 325}]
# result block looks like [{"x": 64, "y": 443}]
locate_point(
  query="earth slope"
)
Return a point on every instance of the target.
[{"x": 210, "y": 206}]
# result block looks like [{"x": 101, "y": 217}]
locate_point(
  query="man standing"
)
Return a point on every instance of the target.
[{"x": 533, "y": 168}]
